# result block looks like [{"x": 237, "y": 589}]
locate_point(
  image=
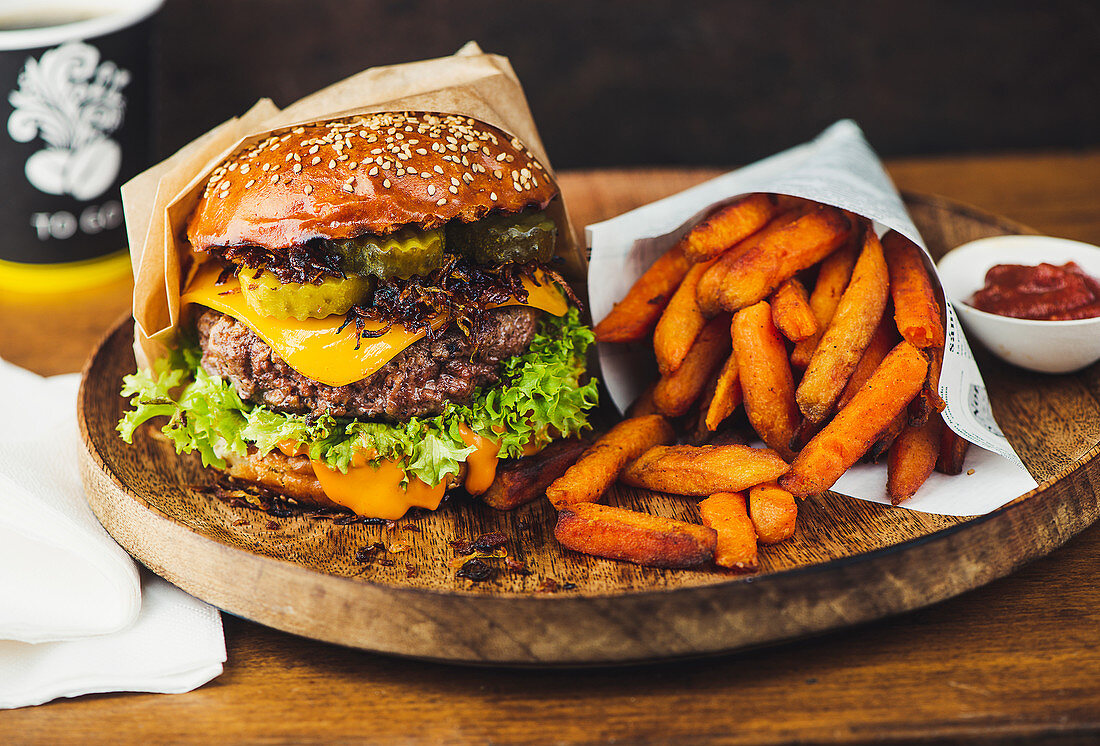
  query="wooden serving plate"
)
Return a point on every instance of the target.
[{"x": 849, "y": 562}]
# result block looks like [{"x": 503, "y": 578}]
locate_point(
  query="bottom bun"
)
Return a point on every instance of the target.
[{"x": 292, "y": 476}]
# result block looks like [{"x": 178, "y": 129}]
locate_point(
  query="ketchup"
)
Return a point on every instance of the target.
[{"x": 1046, "y": 292}]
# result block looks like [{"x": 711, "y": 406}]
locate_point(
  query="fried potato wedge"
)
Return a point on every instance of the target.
[
  {"x": 680, "y": 324},
  {"x": 520, "y": 481},
  {"x": 850, "y": 331},
  {"x": 729, "y": 226},
  {"x": 916, "y": 310},
  {"x": 704, "y": 470},
  {"x": 620, "y": 534},
  {"x": 912, "y": 459},
  {"x": 767, "y": 383},
  {"x": 782, "y": 249},
  {"x": 727, "y": 515},
  {"x": 953, "y": 450},
  {"x": 791, "y": 311},
  {"x": 644, "y": 404},
  {"x": 833, "y": 275},
  {"x": 852, "y": 431},
  {"x": 773, "y": 512},
  {"x": 636, "y": 314},
  {"x": 675, "y": 393},
  {"x": 883, "y": 340},
  {"x": 727, "y": 394},
  {"x": 599, "y": 466},
  {"x": 708, "y": 293},
  {"x": 929, "y": 402}
]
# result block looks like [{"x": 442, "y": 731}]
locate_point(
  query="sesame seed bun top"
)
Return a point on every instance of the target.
[{"x": 371, "y": 173}]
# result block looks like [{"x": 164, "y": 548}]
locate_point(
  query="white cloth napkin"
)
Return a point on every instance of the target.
[{"x": 76, "y": 617}]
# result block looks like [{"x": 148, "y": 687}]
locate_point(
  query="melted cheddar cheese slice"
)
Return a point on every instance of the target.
[
  {"x": 314, "y": 347},
  {"x": 376, "y": 491}
]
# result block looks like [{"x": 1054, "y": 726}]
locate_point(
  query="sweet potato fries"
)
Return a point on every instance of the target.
[{"x": 830, "y": 338}]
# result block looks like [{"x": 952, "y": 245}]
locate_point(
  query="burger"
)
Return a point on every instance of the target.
[{"x": 372, "y": 314}]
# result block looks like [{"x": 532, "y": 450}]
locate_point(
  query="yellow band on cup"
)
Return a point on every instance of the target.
[{"x": 66, "y": 277}]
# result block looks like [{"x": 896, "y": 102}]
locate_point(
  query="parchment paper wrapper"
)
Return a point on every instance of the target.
[
  {"x": 838, "y": 168},
  {"x": 159, "y": 201}
]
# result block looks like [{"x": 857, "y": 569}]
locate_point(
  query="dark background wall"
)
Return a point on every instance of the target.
[{"x": 681, "y": 82}]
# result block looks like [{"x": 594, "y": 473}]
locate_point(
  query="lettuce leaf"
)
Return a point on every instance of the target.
[{"x": 540, "y": 398}]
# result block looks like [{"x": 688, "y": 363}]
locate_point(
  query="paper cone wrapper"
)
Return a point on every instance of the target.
[
  {"x": 837, "y": 168},
  {"x": 159, "y": 201}
]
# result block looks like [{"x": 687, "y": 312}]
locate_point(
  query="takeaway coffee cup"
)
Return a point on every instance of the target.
[{"x": 74, "y": 125}]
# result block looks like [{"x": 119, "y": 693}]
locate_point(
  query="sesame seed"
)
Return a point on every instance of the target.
[
  {"x": 438, "y": 169},
  {"x": 431, "y": 190},
  {"x": 386, "y": 183},
  {"x": 353, "y": 164},
  {"x": 297, "y": 167},
  {"x": 250, "y": 183},
  {"x": 502, "y": 156},
  {"x": 493, "y": 196},
  {"x": 498, "y": 174},
  {"x": 314, "y": 149},
  {"x": 274, "y": 178},
  {"x": 347, "y": 188},
  {"x": 315, "y": 161},
  {"x": 454, "y": 190},
  {"x": 373, "y": 171},
  {"x": 454, "y": 181},
  {"x": 309, "y": 189},
  {"x": 442, "y": 201}
]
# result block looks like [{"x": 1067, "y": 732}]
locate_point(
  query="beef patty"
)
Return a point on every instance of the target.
[{"x": 417, "y": 382}]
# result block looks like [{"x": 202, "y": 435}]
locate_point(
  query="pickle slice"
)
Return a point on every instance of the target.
[
  {"x": 499, "y": 239},
  {"x": 278, "y": 300},
  {"x": 409, "y": 251}
]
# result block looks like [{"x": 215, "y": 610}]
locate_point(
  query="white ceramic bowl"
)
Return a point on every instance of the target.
[{"x": 1044, "y": 346}]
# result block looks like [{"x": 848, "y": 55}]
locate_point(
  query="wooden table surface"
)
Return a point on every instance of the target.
[{"x": 1016, "y": 660}]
